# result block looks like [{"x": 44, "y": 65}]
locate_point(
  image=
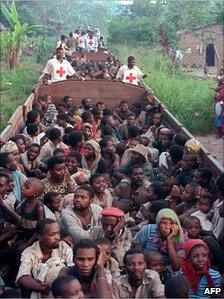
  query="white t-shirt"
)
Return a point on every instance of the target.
[
  {"x": 217, "y": 221},
  {"x": 58, "y": 70},
  {"x": 205, "y": 223},
  {"x": 81, "y": 41},
  {"x": 218, "y": 108},
  {"x": 128, "y": 75},
  {"x": 91, "y": 44}
]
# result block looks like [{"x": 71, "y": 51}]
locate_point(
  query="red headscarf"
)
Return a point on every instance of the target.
[{"x": 192, "y": 275}]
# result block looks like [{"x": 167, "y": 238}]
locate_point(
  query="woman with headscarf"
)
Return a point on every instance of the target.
[
  {"x": 166, "y": 236},
  {"x": 12, "y": 148},
  {"x": 91, "y": 159},
  {"x": 196, "y": 269}
]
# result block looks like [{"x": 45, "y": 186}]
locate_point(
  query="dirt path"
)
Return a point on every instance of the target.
[{"x": 214, "y": 145}]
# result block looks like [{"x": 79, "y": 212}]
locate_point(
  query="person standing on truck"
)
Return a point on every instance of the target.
[
  {"x": 57, "y": 69},
  {"x": 130, "y": 73}
]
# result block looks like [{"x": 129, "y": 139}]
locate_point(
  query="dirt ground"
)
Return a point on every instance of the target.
[{"x": 214, "y": 145}]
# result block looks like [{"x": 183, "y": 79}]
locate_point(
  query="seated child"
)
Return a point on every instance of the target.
[
  {"x": 110, "y": 263},
  {"x": 194, "y": 230},
  {"x": 189, "y": 200},
  {"x": 67, "y": 287},
  {"x": 31, "y": 209},
  {"x": 202, "y": 177},
  {"x": 155, "y": 262},
  {"x": 52, "y": 205},
  {"x": 177, "y": 287},
  {"x": 78, "y": 175},
  {"x": 204, "y": 212}
]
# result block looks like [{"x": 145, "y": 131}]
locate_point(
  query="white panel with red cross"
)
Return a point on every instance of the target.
[{"x": 130, "y": 76}]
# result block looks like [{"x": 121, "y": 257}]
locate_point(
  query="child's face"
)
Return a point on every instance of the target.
[
  {"x": 3, "y": 185},
  {"x": 48, "y": 98},
  {"x": 168, "y": 184},
  {"x": 110, "y": 147},
  {"x": 88, "y": 132},
  {"x": 131, "y": 121},
  {"x": 188, "y": 194},
  {"x": 156, "y": 263},
  {"x": 145, "y": 141},
  {"x": 74, "y": 290},
  {"x": 55, "y": 204},
  {"x": 71, "y": 164},
  {"x": 124, "y": 107},
  {"x": 204, "y": 205},
  {"x": 77, "y": 125},
  {"x": 30, "y": 190},
  {"x": 199, "y": 257},
  {"x": 133, "y": 143},
  {"x": 156, "y": 119},
  {"x": 10, "y": 185},
  {"x": 198, "y": 178},
  {"x": 186, "y": 162},
  {"x": 149, "y": 100},
  {"x": 99, "y": 184},
  {"x": 193, "y": 228},
  {"x": 151, "y": 196}
]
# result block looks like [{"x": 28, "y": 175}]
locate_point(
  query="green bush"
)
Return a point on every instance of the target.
[{"x": 16, "y": 86}]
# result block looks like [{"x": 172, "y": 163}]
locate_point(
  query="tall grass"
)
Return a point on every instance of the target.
[
  {"x": 16, "y": 86},
  {"x": 189, "y": 99}
]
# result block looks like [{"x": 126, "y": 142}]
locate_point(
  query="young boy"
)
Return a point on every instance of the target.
[
  {"x": 205, "y": 212},
  {"x": 177, "y": 287},
  {"x": 67, "y": 287},
  {"x": 155, "y": 262},
  {"x": 190, "y": 200},
  {"x": 52, "y": 205},
  {"x": 31, "y": 210},
  {"x": 110, "y": 263}
]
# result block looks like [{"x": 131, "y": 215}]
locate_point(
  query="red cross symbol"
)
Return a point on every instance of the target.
[
  {"x": 130, "y": 78},
  {"x": 61, "y": 72},
  {"x": 90, "y": 43}
]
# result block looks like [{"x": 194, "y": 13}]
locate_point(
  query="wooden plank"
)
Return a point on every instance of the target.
[
  {"x": 16, "y": 121},
  {"x": 27, "y": 106},
  {"x": 6, "y": 134},
  {"x": 108, "y": 91}
]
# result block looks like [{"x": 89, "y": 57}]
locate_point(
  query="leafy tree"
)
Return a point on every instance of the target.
[
  {"x": 11, "y": 40},
  {"x": 143, "y": 20}
]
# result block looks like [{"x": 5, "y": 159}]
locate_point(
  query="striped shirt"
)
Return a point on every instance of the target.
[
  {"x": 149, "y": 239},
  {"x": 204, "y": 283}
]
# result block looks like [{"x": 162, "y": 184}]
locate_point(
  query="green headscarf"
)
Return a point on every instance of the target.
[{"x": 170, "y": 214}]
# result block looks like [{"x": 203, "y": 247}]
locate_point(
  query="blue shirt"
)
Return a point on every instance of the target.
[
  {"x": 149, "y": 239},
  {"x": 204, "y": 283}
]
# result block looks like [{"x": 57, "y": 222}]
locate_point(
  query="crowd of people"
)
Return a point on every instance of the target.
[
  {"x": 66, "y": 64},
  {"x": 82, "y": 40},
  {"x": 105, "y": 203}
]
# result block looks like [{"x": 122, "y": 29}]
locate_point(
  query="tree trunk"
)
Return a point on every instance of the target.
[{"x": 13, "y": 58}]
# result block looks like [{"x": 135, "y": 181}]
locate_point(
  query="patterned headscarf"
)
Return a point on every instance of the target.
[{"x": 9, "y": 147}]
